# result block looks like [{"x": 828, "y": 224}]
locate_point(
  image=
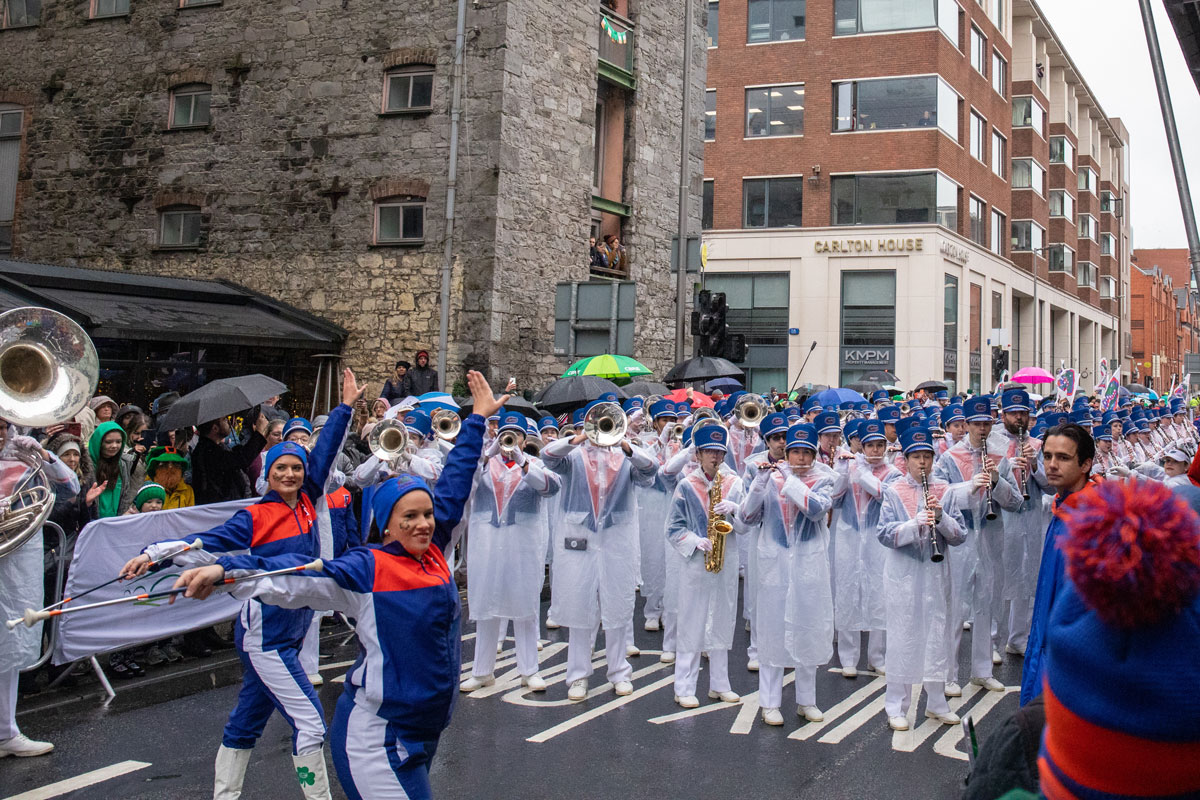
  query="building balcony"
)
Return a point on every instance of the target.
[{"x": 616, "y": 49}]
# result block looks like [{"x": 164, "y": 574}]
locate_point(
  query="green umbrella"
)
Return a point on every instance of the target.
[{"x": 607, "y": 366}]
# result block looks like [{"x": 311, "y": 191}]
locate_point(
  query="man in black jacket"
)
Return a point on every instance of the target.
[
  {"x": 218, "y": 473},
  {"x": 423, "y": 377}
]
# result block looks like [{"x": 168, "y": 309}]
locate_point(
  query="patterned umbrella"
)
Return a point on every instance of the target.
[{"x": 607, "y": 366}]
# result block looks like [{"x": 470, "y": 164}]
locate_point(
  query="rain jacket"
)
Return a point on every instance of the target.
[{"x": 110, "y": 503}]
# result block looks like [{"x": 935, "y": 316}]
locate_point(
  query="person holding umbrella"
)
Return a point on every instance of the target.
[{"x": 218, "y": 472}]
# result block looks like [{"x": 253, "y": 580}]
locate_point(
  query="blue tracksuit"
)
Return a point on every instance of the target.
[{"x": 401, "y": 691}]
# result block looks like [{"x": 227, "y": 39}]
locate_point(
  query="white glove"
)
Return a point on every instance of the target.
[
  {"x": 1119, "y": 471},
  {"x": 726, "y": 508},
  {"x": 664, "y": 436},
  {"x": 493, "y": 447},
  {"x": 636, "y": 416},
  {"x": 519, "y": 458},
  {"x": 26, "y": 443},
  {"x": 704, "y": 544}
]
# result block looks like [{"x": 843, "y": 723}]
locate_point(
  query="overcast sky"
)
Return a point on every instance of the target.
[{"x": 1106, "y": 41}]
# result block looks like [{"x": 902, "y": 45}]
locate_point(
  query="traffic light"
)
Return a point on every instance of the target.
[
  {"x": 735, "y": 347},
  {"x": 999, "y": 363},
  {"x": 708, "y": 323}
]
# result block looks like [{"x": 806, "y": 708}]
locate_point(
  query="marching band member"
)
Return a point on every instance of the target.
[
  {"x": 268, "y": 638},
  {"x": 595, "y": 572},
  {"x": 505, "y": 566},
  {"x": 1105, "y": 459},
  {"x": 743, "y": 442},
  {"x": 401, "y": 691},
  {"x": 793, "y": 607},
  {"x": 954, "y": 423},
  {"x": 707, "y": 599},
  {"x": 978, "y": 565},
  {"x": 653, "y": 503},
  {"x": 858, "y": 557},
  {"x": 921, "y": 613}
]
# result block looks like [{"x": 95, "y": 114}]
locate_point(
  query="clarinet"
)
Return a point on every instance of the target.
[
  {"x": 1024, "y": 437},
  {"x": 985, "y": 465},
  {"x": 936, "y": 554}
]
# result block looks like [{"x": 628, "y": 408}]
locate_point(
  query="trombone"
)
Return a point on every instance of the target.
[{"x": 749, "y": 410}]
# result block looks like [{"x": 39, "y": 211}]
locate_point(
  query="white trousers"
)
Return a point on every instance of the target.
[
  {"x": 668, "y": 626},
  {"x": 981, "y": 648},
  {"x": 310, "y": 649},
  {"x": 770, "y": 686},
  {"x": 8, "y": 704},
  {"x": 850, "y": 645},
  {"x": 752, "y": 650},
  {"x": 488, "y": 632},
  {"x": 899, "y": 697},
  {"x": 1020, "y": 617},
  {"x": 579, "y": 653},
  {"x": 687, "y": 672}
]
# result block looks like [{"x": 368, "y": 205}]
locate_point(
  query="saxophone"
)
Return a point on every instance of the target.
[{"x": 718, "y": 528}]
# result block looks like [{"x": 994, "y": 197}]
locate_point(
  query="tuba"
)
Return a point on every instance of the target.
[
  {"x": 718, "y": 528},
  {"x": 48, "y": 370},
  {"x": 749, "y": 410},
  {"x": 446, "y": 424},
  {"x": 389, "y": 443},
  {"x": 605, "y": 424}
]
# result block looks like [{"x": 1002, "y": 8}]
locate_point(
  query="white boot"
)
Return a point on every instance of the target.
[
  {"x": 230, "y": 772},
  {"x": 314, "y": 780}
]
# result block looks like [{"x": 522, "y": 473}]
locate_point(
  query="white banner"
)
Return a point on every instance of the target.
[{"x": 102, "y": 549}]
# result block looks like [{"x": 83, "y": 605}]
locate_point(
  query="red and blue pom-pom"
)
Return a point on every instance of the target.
[{"x": 1132, "y": 550}]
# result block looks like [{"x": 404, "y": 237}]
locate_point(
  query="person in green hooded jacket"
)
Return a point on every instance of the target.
[{"x": 105, "y": 447}]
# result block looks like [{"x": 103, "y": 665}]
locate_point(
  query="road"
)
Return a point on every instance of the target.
[{"x": 152, "y": 743}]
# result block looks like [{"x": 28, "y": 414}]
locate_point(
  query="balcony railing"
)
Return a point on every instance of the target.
[{"x": 616, "y": 44}]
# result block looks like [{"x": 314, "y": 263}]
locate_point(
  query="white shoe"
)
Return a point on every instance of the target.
[
  {"x": 811, "y": 713},
  {"x": 725, "y": 697},
  {"x": 997, "y": 658},
  {"x": 578, "y": 690},
  {"x": 849, "y": 672},
  {"x": 552, "y": 625},
  {"x": 687, "y": 702},
  {"x": 472, "y": 683},
  {"x": 948, "y": 718},
  {"x": 967, "y": 625},
  {"x": 499, "y": 647},
  {"x": 991, "y": 684},
  {"x": 952, "y": 690},
  {"x": 667, "y": 657},
  {"x": 22, "y": 746},
  {"x": 879, "y": 670},
  {"x": 533, "y": 682},
  {"x": 229, "y": 773},
  {"x": 771, "y": 716},
  {"x": 312, "y": 774},
  {"x": 747, "y": 626},
  {"x": 539, "y": 645},
  {"x": 898, "y": 723},
  {"x": 1015, "y": 650},
  {"x": 315, "y": 679},
  {"x": 632, "y": 651},
  {"x": 651, "y": 625},
  {"x": 752, "y": 665},
  {"x": 623, "y": 688}
]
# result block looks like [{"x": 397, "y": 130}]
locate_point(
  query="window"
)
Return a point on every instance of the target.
[
  {"x": 1062, "y": 151},
  {"x": 713, "y": 22},
  {"x": 1028, "y": 113},
  {"x": 894, "y": 198},
  {"x": 775, "y": 111},
  {"x": 999, "y": 153},
  {"x": 1028, "y": 174},
  {"x": 1062, "y": 204},
  {"x": 978, "y": 137},
  {"x": 895, "y": 103},
  {"x": 868, "y": 322},
  {"x": 997, "y": 233},
  {"x": 998, "y": 14},
  {"x": 975, "y": 335},
  {"x": 775, "y": 21},
  {"x": 950, "y": 330},
  {"x": 1086, "y": 275},
  {"x": 997, "y": 320},
  {"x": 20, "y": 13},
  {"x": 1027, "y": 235},
  {"x": 408, "y": 89},
  {"x": 757, "y": 308},
  {"x": 189, "y": 106},
  {"x": 1088, "y": 229},
  {"x": 710, "y": 115},
  {"x": 949, "y": 20},
  {"x": 1108, "y": 288},
  {"x": 400, "y": 221},
  {"x": 109, "y": 8},
  {"x": 876, "y": 16},
  {"x": 1108, "y": 202},
  {"x": 706, "y": 208},
  {"x": 179, "y": 227},
  {"x": 979, "y": 51},
  {"x": 11, "y": 118},
  {"x": 999, "y": 74},
  {"x": 1061, "y": 258},
  {"x": 1108, "y": 244},
  {"x": 194, "y": 3},
  {"x": 977, "y": 211},
  {"x": 772, "y": 202},
  {"x": 1087, "y": 179}
]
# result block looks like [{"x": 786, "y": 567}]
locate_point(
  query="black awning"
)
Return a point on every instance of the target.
[
  {"x": 147, "y": 307},
  {"x": 1185, "y": 19}
]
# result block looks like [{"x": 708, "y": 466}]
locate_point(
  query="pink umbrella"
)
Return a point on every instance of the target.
[{"x": 1033, "y": 375}]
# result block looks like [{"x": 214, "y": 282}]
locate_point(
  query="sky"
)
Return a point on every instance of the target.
[{"x": 1106, "y": 41}]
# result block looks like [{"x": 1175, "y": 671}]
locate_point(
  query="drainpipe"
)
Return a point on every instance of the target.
[
  {"x": 451, "y": 186},
  {"x": 685, "y": 136}
]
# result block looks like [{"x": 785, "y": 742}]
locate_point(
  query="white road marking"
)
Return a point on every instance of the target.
[
  {"x": 81, "y": 781},
  {"x": 854, "y": 722},
  {"x": 599, "y": 711},
  {"x": 338, "y": 665},
  {"x": 947, "y": 745},
  {"x": 748, "y": 713},
  {"x": 811, "y": 729},
  {"x": 512, "y": 678},
  {"x": 915, "y": 736}
]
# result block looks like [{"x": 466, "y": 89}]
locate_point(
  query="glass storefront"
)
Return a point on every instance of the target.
[{"x": 868, "y": 338}]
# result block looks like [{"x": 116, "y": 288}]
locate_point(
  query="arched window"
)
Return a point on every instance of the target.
[
  {"x": 408, "y": 88},
  {"x": 12, "y": 118},
  {"x": 190, "y": 106}
]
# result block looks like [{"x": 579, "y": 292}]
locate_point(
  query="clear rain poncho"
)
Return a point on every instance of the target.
[
  {"x": 858, "y": 557},
  {"x": 1024, "y": 528}
]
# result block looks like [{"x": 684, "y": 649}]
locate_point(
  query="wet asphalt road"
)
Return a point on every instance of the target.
[{"x": 511, "y": 744}]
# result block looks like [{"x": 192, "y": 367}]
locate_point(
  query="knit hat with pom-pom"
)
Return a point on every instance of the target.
[{"x": 1123, "y": 648}]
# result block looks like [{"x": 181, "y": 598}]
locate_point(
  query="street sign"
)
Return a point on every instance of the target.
[{"x": 793, "y": 331}]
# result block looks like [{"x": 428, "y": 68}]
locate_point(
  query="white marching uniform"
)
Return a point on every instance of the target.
[
  {"x": 793, "y": 610},
  {"x": 921, "y": 610},
  {"x": 1024, "y": 534},
  {"x": 654, "y": 500}
]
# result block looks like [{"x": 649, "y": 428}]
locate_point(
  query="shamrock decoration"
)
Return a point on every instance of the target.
[{"x": 306, "y": 775}]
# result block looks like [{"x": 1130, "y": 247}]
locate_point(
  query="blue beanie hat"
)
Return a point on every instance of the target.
[
  {"x": 389, "y": 493},
  {"x": 285, "y": 449}
]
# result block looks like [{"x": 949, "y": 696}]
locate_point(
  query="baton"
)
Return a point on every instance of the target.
[{"x": 153, "y": 566}]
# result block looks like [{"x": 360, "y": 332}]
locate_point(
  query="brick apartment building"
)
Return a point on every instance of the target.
[
  {"x": 1164, "y": 316},
  {"x": 915, "y": 186},
  {"x": 302, "y": 151}
]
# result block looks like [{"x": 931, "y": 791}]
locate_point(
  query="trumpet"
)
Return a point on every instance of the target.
[
  {"x": 389, "y": 443},
  {"x": 446, "y": 424},
  {"x": 676, "y": 432},
  {"x": 605, "y": 424},
  {"x": 509, "y": 442},
  {"x": 749, "y": 410},
  {"x": 936, "y": 554},
  {"x": 704, "y": 412}
]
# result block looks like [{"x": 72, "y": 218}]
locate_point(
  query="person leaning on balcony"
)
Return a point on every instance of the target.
[{"x": 614, "y": 252}]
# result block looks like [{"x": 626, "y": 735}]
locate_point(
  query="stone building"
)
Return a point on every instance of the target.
[{"x": 301, "y": 150}]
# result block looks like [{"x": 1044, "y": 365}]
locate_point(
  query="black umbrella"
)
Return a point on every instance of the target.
[
  {"x": 881, "y": 376},
  {"x": 933, "y": 386},
  {"x": 645, "y": 388},
  {"x": 220, "y": 398},
  {"x": 865, "y": 388},
  {"x": 566, "y": 394},
  {"x": 1137, "y": 388},
  {"x": 703, "y": 368},
  {"x": 519, "y": 404}
]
